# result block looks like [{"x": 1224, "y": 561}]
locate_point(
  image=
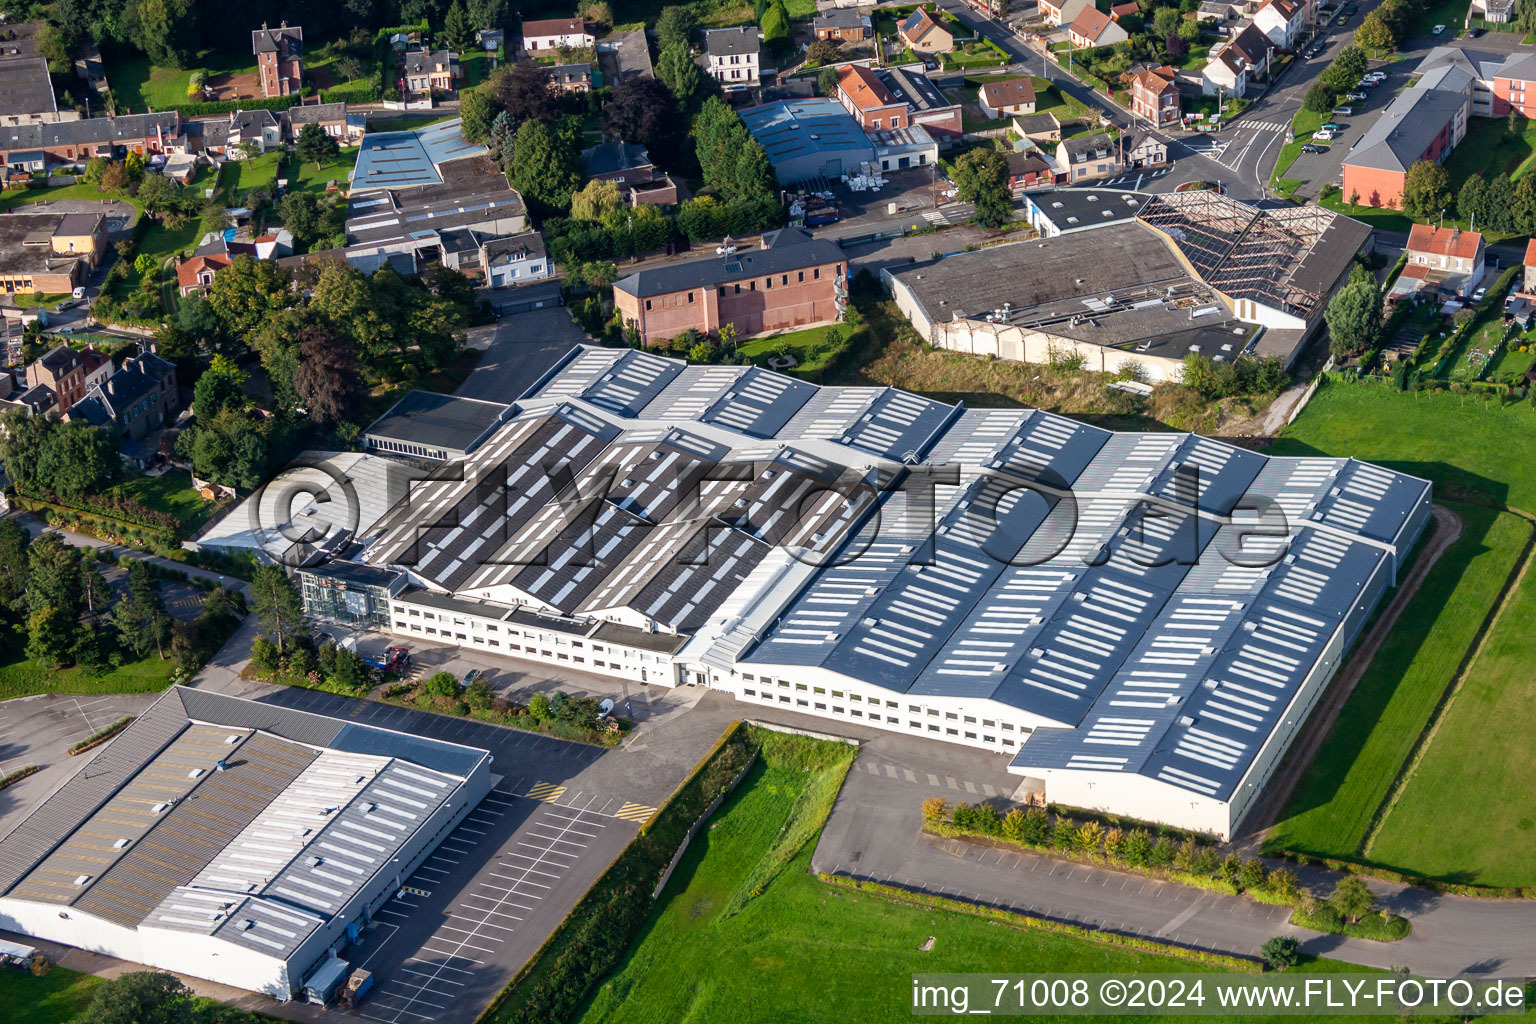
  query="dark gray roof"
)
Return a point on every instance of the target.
[
  {"x": 841, "y": 17},
  {"x": 25, "y": 87},
  {"x": 283, "y": 39},
  {"x": 315, "y": 113},
  {"x": 438, "y": 421},
  {"x": 797, "y": 251},
  {"x": 420, "y": 62},
  {"x": 1098, "y": 146},
  {"x": 1090, "y": 206},
  {"x": 527, "y": 244},
  {"x": 137, "y": 378},
  {"x": 401, "y": 214},
  {"x": 607, "y": 157},
  {"x": 1405, "y": 129},
  {"x": 79, "y": 223},
  {"x": 89, "y": 131},
  {"x": 356, "y": 573},
  {"x": 911, "y": 86},
  {"x": 722, "y": 42}
]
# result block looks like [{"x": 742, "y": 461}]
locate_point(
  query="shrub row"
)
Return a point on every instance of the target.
[
  {"x": 593, "y": 939},
  {"x": 212, "y": 107},
  {"x": 1383, "y": 926},
  {"x": 1385, "y": 874},
  {"x": 1013, "y": 917},
  {"x": 129, "y": 510},
  {"x": 101, "y": 736},
  {"x": 11, "y": 778}
]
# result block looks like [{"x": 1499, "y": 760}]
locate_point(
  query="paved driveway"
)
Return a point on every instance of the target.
[{"x": 517, "y": 349}]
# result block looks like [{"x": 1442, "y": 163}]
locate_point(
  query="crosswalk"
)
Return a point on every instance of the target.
[{"x": 1266, "y": 126}]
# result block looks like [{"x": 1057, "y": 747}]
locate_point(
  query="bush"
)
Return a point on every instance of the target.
[
  {"x": 441, "y": 684},
  {"x": 1280, "y": 952}
]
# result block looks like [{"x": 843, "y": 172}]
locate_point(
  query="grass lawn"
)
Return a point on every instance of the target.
[
  {"x": 1469, "y": 447},
  {"x": 12, "y": 198},
  {"x": 1049, "y": 99},
  {"x": 475, "y": 66},
  {"x": 811, "y": 347},
  {"x": 1333, "y": 806},
  {"x": 1460, "y": 816},
  {"x": 26, "y": 677},
  {"x": 31, "y": 300},
  {"x": 1378, "y": 217},
  {"x": 170, "y": 492},
  {"x": 256, "y": 172},
  {"x": 141, "y": 87},
  {"x": 801, "y": 950},
  {"x": 1490, "y": 150},
  {"x": 406, "y": 123},
  {"x": 1302, "y": 126},
  {"x": 1475, "y": 351},
  {"x": 303, "y": 176},
  {"x": 58, "y": 997}
]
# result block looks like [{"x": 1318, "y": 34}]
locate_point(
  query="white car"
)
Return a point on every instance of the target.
[
  {"x": 1477, "y": 296},
  {"x": 1322, "y": 136},
  {"x": 1376, "y": 76},
  {"x": 725, "y": 250},
  {"x": 1439, "y": 29}
]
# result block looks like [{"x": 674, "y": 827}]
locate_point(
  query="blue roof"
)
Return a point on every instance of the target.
[
  {"x": 394, "y": 159},
  {"x": 792, "y": 129}
]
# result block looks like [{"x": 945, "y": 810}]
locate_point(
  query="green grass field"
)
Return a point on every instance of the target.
[
  {"x": 1462, "y": 816},
  {"x": 809, "y": 346},
  {"x": 1470, "y": 448},
  {"x": 254, "y": 172},
  {"x": 803, "y": 951},
  {"x": 58, "y": 997},
  {"x": 304, "y": 176},
  {"x": 170, "y": 492},
  {"x": 27, "y": 677},
  {"x": 141, "y": 87},
  {"x": 1333, "y": 806}
]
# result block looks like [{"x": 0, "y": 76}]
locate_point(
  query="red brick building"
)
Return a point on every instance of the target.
[
  {"x": 279, "y": 59},
  {"x": 791, "y": 281},
  {"x": 1155, "y": 97}
]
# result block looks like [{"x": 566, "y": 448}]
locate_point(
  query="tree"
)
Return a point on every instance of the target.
[
  {"x": 1166, "y": 22},
  {"x": 349, "y": 67},
  {"x": 545, "y": 169},
  {"x": 221, "y": 386},
  {"x": 1375, "y": 35},
  {"x": 502, "y": 138},
  {"x": 327, "y": 378},
  {"x": 1354, "y": 319},
  {"x": 245, "y": 293},
  {"x": 676, "y": 69},
  {"x": 826, "y": 82},
  {"x": 538, "y": 706},
  {"x": 114, "y": 177},
  {"x": 523, "y": 91},
  {"x": 143, "y": 997},
  {"x": 457, "y": 31},
  {"x": 1345, "y": 70},
  {"x": 644, "y": 111},
  {"x": 15, "y": 567},
  {"x": 734, "y": 164},
  {"x": 1352, "y": 898},
  {"x": 478, "y": 694},
  {"x": 51, "y": 636},
  {"x": 314, "y": 144},
  {"x": 22, "y": 436},
  {"x": 487, "y": 13},
  {"x": 476, "y": 111},
  {"x": 1426, "y": 191},
  {"x": 1319, "y": 99},
  {"x": 1175, "y": 46},
  {"x": 157, "y": 192},
  {"x": 598, "y": 198},
  {"x": 78, "y": 459},
  {"x": 231, "y": 449},
  {"x": 167, "y": 31},
  {"x": 981, "y": 178},
  {"x": 197, "y": 318},
  {"x": 823, "y": 51},
  {"x": 676, "y": 26},
  {"x": 53, "y": 575},
  {"x": 300, "y": 213},
  {"x": 141, "y": 618},
  {"x": 275, "y": 600},
  {"x": 1279, "y": 952},
  {"x": 94, "y": 592}
]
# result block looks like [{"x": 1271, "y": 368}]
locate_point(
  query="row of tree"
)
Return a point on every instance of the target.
[{"x": 1340, "y": 77}]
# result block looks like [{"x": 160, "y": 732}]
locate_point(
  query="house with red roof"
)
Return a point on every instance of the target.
[
  {"x": 1155, "y": 96},
  {"x": 1092, "y": 27},
  {"x": 1442, "y": 261},
  {"x": 197, "y": 273},
  {"x": 924, "y": 34}
]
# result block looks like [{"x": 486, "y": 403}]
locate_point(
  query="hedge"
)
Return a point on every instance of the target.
[
  {"x": 11, "y": 778},
  {"x": 1386, "y": 874},
  {"x": 230, "y": 106},
  {"x": 1378, "y": 927},
  {"x": 101, "y": 736},
  {"x": 895, "y": 892},
  {"x": 596, "y": 935}
]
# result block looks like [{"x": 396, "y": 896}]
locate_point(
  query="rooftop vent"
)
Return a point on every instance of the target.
[
  {"x": 246, "y": 924},
  {"x": 82, "y": 879},
  {"x": 1186, "y": 721},
  {"x": 158, "y": 808},
  {"x": 119, "y": 844},
  {"x": 195, "y": 773},
  {"x": 231, "y": 740}
]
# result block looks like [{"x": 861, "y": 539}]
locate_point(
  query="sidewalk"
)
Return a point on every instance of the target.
[{"x": 35, "y": 527}]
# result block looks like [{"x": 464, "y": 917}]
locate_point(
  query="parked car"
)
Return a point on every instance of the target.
[
  {"x": 1477, "y": 296},
  {"x": 1332, "y": 127},
  {"x": 1439, "y": 29},
  {"x": 1322, "y": 135},
  {"x": 1343, "y": 111},
  {"x": 1310, "y": 148},
  {"x": 469, "y": 677},
  {"x": 1380, "y": 76},
  {"x": 1358, "y": 97},
  {"x": 1474, "y": 33}
]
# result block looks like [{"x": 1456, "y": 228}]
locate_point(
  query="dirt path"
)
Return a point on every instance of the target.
[{"x": 1320, "y": 723}]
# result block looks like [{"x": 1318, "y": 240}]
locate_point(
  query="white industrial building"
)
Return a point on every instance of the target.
[
  {"x": 1076, "y": 600},
  {"x": 235, "y": 841}
]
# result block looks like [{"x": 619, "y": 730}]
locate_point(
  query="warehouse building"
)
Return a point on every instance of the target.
[
  {"x": 235, "y": 841},
  {"x": 1088, "y": 604},
  {"x": 809, "y": 139}
]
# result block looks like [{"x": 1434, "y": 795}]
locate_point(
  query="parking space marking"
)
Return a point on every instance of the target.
[
  {"x": 445, "y": 967},
  {"x": 455, "y": 956},
  {"x": 635, "y": 812},
  {"x": 546, "y": 791},
  {"x": 445, "y": 981},
  {"x": 493, "y": 913}
]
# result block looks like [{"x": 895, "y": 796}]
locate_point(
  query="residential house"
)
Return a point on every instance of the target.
[
  {"x": 432, "y": 71},
  {"x": 1528, "y": 274},
  {"x": 26, "y": 91},
  {"x": 69, "y": 373},
  {"x": 515, "y": 259},
  {"x": 110, "y": 137},
  {"x": 842, "y": 25},
  {"x": 1092, "y": 27},
  {"x": 791, "y": 281},
  {"x": 1126, "y": 10},
  {"x": 1442, "y": 261},
  {"x": 1253, "y": 48},
  {"x": 331, "y": 117},
  {"x": 1062, "y": 12},
  {"x": 82, "y": 235},
  {"x": 133, "y": 402},
  {"x": 1143, "y": 148},
  {"x": 197, "y": 273},
  {"x": 1155, "y": 96},
  {"x": 552, "y": 34},
  {"x": 898, "y": 97},
  {"x": 624, "y": 57},
  {"x": 1087, "y": 157},
  {"x": 1282, "y": 21},
  {"x": 1224, "y": 74},
  {"x": 1423, "y": 122},
  {"x": 1028, "y": 170},
  {"x": 279, "y": 59},
  {"x": 1220, "y": 12},
  {"x": 923, "y": 34},
  {"x": 630, "y": 168},
  {"x": 1038, "y": 128},
  {"x": 260, "y": 127},
  {"x": 1007, "y": 97},
  {"x": 1514, "y": 87},
  {"x": 491, "y": 40},
  {"x": 733, "y": 57},
  {"x": 570, "y": 79}
]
